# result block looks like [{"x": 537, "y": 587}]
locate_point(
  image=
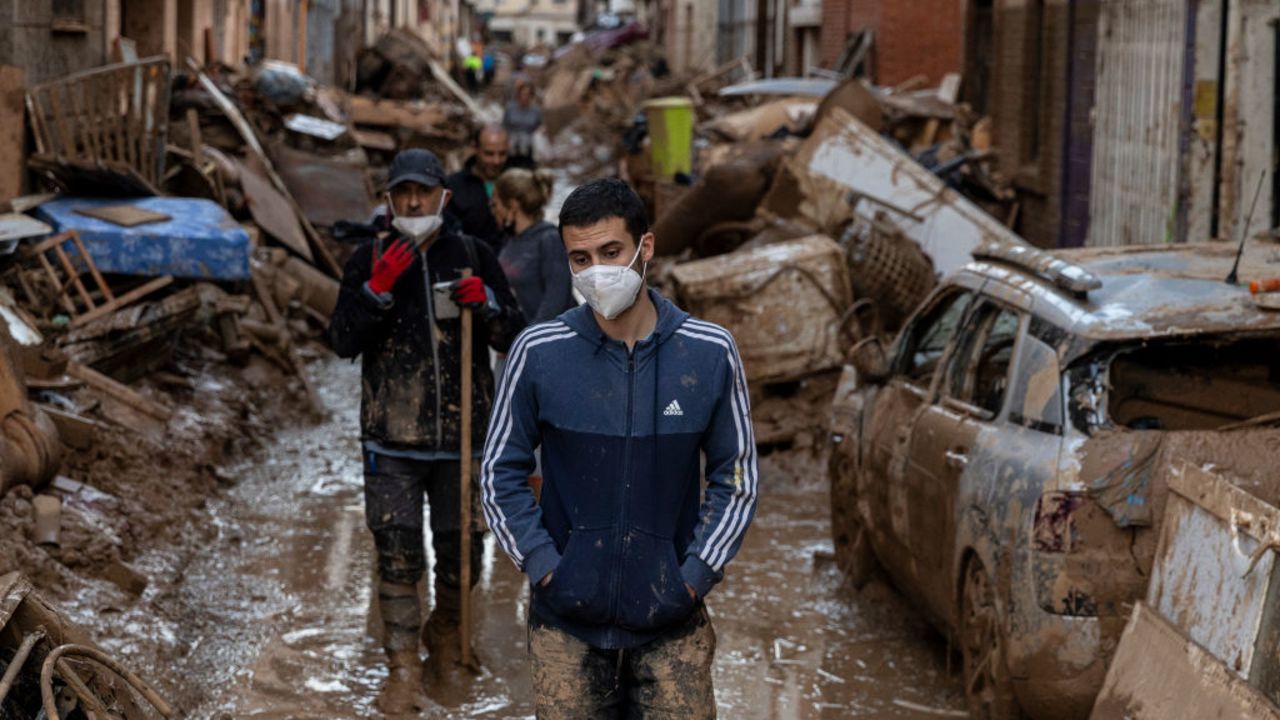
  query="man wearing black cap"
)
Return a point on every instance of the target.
[{"x": 398, "y": 312}]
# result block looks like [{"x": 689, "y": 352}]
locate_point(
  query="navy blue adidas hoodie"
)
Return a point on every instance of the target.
[{"x": 623, "y": 520}]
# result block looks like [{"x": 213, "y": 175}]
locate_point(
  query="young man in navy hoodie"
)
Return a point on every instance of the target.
[{"x": 626, "y": 396}]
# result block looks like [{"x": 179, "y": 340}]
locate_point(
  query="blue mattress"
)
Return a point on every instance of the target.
[{"x": 200, "y": 241}]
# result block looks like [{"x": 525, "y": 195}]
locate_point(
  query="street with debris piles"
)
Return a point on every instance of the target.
[{"x": 872, "y": 360}]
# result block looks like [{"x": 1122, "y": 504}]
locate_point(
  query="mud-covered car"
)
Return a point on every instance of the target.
[{"x": 1005, "y": 459}]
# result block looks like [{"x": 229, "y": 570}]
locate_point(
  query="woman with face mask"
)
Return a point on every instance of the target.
[{"x": 533, "y": 256}]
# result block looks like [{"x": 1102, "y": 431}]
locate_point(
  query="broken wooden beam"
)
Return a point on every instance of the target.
[{"x": 119, "y": 391}]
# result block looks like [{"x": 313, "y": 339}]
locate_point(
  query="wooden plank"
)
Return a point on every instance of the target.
[
  {"x": 123, "y": 215},
  {"x": 58, "y": 285},
  {"x": 122, "y": 301},
  {"x": 74, "y": 276},
  {"x": 75, "y": 431},
  {"x": 272, "y": 212},
  {"x": 419, "y": 117},
  {"x": 12, "y": 151},
  {"x": 93, "y": 267},
  {"x": 123, "y": 393},
  {"x": 250, "y": 138}
]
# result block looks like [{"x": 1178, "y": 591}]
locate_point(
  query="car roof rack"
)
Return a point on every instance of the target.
[{"x": 1064, "y": 275}]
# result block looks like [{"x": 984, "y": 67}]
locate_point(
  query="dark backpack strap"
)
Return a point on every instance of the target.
[
  {"x": 471, "y": 253},
  {"x": 470, "y": 243}
]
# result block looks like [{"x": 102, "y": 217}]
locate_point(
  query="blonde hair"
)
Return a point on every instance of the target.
[{"x": 531, "y": 189}]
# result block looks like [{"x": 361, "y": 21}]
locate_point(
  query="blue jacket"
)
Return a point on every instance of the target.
[{"x": 622, "y": 521}]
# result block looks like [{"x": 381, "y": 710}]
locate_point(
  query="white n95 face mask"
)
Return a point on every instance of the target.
[
  {"x": 422, "y": 227},
  {"x": 610, "y": 289},
  {"x": 419, "y": 228}
]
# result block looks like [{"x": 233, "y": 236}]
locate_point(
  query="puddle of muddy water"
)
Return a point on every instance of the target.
[{"x": 270, "y": 619}]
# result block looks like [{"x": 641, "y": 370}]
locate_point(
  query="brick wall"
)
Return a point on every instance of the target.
[{"x": 919, "y": 37}]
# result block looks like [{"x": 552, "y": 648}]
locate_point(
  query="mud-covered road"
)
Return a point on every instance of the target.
[{"x": 270, "y": 619}]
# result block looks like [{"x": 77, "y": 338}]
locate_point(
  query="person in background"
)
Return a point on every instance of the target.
[
  {"x": 522, "y": 119},
  {"x": 533, "y": 256},
  {"x": 472, "y": 186},
  {"x": 473, "y": 65},
  {"x": 489, "y": 65}
]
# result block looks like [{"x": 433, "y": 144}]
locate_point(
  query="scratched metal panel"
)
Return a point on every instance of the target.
[
  {"x": 1206, "y": 579},
  {"x": 1137, "y": 120}
]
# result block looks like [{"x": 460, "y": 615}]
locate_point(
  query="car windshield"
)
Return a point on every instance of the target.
[{"x": 1207, "y": 384}]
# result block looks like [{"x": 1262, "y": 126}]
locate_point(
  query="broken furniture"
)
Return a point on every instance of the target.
[
  {"x": 200, "y": 241},
  {"x": 104, "y": 129},
  {"x": 53, "y": 667},
  {"x": 62, "y": 279}
]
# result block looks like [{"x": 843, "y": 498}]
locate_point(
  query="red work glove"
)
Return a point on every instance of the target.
[
  {"x": 388, "y": 268},
  {"x": 469, "y": 293}
]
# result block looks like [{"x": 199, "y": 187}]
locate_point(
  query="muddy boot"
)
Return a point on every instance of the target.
[
  {"x": 401, "y": 693},
  {"x": 443, "y": 640}
]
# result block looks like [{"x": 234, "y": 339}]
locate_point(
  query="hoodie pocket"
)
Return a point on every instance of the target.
[
  {"x": 653, "y": 592},
  {"x": 579, "y": 584}
]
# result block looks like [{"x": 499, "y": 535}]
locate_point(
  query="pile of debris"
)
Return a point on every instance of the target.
[
  {"x": 158, "y": 306},
  {"x": 810, "y": 225}
]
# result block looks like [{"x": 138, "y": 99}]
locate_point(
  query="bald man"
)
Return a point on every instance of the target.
[{"x": 472, "y": 186}]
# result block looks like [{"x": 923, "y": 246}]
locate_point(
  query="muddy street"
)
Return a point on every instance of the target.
[{"x": 270, "y": 619}]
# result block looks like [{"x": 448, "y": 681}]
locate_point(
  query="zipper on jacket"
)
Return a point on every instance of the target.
[
  {"x": 435, "y": 349},
  {"x": 626, "y": 484}
]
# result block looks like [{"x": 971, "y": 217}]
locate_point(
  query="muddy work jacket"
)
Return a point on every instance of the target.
[
  {"x": 411, "y": 362},
  {"x": 623, "y": 520}
]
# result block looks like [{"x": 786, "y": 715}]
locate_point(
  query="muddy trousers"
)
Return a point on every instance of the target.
[
  {"x": 668, "y": 678},
  {"x": 394, "y": 491}
]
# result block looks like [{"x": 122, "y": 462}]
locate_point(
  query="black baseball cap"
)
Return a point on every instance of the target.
[{"x": 415, "y": 165}]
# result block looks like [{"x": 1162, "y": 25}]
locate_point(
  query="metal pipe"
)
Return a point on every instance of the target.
[{"x": 20, "y": 657}]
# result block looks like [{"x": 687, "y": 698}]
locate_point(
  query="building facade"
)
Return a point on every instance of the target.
[
  {"x": 534, "y": 22},
  {"x": 1132, "y": 122},
  {"x": 918, "y": 38}
]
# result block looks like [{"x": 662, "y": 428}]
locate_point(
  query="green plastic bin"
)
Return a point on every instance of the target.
[{"x": 670, "y": 135}]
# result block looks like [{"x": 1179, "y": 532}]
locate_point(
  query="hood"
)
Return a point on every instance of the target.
[{"x": 582, "y": 321}]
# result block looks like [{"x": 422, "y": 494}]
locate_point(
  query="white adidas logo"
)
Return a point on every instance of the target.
[{"x": 673, "y": 409}]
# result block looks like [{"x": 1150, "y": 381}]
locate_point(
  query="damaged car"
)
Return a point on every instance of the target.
[{"x": 1005, "y": 460}]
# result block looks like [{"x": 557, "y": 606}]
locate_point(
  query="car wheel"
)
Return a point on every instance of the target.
[
  {"x": 988, "y": 686},
  {"x": 853, "y": 551}
]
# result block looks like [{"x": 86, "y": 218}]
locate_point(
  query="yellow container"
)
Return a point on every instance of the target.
[{"x": 670, "y": 122}]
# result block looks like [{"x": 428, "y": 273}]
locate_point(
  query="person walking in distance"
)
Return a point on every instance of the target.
[
  {"x": 522, "y": 118},
  {"x": 625, "y": 396},
  {"x": 398, "y": 311}
]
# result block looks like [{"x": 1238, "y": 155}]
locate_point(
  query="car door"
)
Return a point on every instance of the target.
[
  {"x": 971, "y": 396},
  {"x": 917, "y": 358}
]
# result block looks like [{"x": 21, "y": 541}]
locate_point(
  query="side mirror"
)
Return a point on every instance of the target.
[{"x": 868, "y": 357}]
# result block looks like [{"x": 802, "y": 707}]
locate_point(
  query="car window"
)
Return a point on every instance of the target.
[
  {"x": 979, "y": 372},
  {"x": 1035, "y": 399},
  {"x": 928, "y": 338}
]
